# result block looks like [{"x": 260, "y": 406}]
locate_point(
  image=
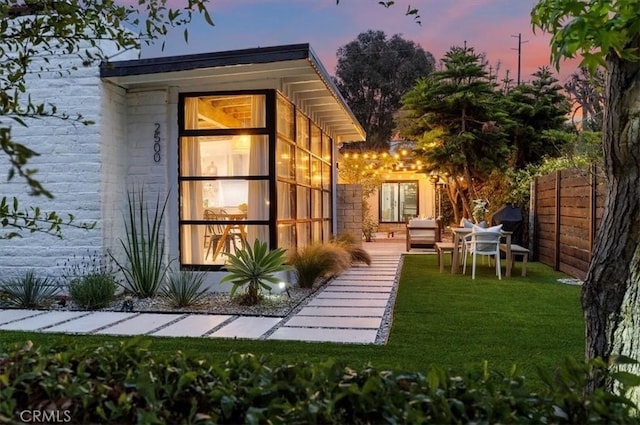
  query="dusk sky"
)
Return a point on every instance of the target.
[{"x": 490, "y": 26}]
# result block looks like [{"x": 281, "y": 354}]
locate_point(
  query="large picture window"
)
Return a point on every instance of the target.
[
  {"x": 224, "y": 186},
  {"x": 240, "y": 153}
]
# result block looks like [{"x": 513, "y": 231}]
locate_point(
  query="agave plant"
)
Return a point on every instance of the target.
[{"x": 254, "y": 269}]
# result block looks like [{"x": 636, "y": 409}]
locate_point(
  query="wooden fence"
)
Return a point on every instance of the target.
[{"x": 567, "y": 207}]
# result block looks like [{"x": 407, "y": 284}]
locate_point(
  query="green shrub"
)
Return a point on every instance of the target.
[
  {"x": 183, "y": 288},
  {"x": 93, "y": 291},
  {"x": 319, "y": 261},
  {"x": 127, "y": 383},
  {"x": 29, "y": 291},
  {"x": 144, "y": 247},
  {"x": 254, "y": 270}
]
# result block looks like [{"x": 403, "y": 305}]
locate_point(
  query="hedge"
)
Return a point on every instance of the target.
[{"x": 127, "y": 383}]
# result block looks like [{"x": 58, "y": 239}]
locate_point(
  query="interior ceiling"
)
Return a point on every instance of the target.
[
  {"x": 236, "y": 111},
  {"x": 298, "y": 79}
]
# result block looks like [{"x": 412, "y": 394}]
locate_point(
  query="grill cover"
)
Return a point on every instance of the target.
[{"x": 511, "y": 219}]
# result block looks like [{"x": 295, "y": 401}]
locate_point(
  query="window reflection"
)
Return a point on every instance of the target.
[
  {"x": 285, "y": 160},
  {"x": 285, "y": 118},
  {"x": 302, "y": 131}
]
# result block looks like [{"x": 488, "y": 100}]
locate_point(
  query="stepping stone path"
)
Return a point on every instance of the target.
[{"x": 353, "y": 308}]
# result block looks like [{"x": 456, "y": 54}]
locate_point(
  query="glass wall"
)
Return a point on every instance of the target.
[
  {"x": 303, "y": 185},
  {"x": 226, "y": 149}
]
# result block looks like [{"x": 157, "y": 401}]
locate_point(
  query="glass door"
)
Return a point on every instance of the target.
[{"x": 398, "y": 201}]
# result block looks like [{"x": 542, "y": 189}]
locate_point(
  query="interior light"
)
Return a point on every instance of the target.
[{"x": 241, "y": 143}]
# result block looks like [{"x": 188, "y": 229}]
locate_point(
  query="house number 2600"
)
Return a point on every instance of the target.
[{"x": 156, "y": 143}]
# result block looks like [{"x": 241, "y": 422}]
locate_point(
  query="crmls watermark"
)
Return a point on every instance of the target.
[{"x": 45, "y": 416}]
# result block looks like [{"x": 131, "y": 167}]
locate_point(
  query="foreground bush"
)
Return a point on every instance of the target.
[{"x": 125, "y": 383}]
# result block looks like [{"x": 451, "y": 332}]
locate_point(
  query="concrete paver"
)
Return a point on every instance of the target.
[
  {"x": 324, "y": 302},
  {"x": 342, "y": 311},
  {"x": 335, "y": 322},
  {"x": 10, "y": 315},
  {"x": 363, "y": 282},
  {"x": 90, "y": 322},
  {"x": 338, "y": 295},
  {"x": 194, "y": 325},
  {"x": 247, "y": 327},
  {"x": 354, "y": 336},
  {"x": 361, "y": 289},
  {"x": 140, "y": 324},
  {"x": 42, "y": 320}
]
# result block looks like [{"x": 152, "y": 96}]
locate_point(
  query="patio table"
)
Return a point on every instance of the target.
[{"x": 459, "y": 234}]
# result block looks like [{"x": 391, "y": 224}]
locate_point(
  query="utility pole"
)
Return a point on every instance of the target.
[{"x": 519, "y": 52}]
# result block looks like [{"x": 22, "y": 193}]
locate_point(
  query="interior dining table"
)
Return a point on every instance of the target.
[
  {"x": 230, "y": 230},
  {"x": 458, "y": 235}
]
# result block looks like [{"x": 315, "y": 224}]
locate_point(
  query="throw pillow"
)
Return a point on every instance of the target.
[
  {"x": 466, "y": 223},
  {"x": 497, "y": 228}
]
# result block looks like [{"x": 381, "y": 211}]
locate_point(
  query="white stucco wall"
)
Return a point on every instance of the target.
[{"x": 78, "y": 163}]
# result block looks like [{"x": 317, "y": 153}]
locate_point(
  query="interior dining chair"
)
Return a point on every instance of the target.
[
  {"x": 234, "y": 236},
  {"x": 482, "y": 243},
  {"x": 213, "y": 232}
]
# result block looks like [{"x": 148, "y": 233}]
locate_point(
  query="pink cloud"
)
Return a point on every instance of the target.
[{"x": 487, "y": 25}]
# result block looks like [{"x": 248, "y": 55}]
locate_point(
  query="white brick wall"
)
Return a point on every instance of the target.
[{"x": 81, "y": 165}]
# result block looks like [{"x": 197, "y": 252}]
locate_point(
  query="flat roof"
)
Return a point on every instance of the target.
[{"x": 293, "y": 69}]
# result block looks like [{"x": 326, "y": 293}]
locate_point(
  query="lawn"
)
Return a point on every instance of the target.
[{"x": 443, "y": 319}]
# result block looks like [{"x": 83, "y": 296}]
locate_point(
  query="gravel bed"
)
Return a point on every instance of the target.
[
  {"x": 272, "y": 305},
  {"x": 387, "y": 319}
]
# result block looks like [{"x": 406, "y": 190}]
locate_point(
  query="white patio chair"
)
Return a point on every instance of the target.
[{"x": 482, "y": 243}]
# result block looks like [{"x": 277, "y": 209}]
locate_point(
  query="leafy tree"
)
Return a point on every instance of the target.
[
  {"x": 454, "y": 117},
  {"x": 373, "y": 73},
  {"x": 534, "y": 109},
  {"x": 33, "y": 31},
  {"x": 607, "y": 33}
]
